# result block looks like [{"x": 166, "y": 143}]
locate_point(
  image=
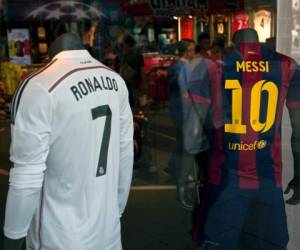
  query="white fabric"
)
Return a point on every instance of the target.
[
  {"x": 55, "y": 150},
  {"x": 27, "y": 203}
]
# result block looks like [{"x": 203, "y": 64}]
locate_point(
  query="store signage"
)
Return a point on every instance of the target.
[
  {"x": 233, "y": 3},
  {"x": 186, "y": 24},
  {"x": 178, "y": 7},
  {"x": 18, "y": 46}
]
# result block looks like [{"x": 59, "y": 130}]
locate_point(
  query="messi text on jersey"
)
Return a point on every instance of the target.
[
  {"x": 91, "y": 85},
  {"x": 252, "y": 66}
]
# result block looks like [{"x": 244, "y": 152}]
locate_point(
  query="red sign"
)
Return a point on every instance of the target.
[
  {"x": 186, "y": 25},
  {"x": 240, "y": 21}
]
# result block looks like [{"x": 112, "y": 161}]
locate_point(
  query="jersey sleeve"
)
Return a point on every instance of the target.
[
  {"x": 200, "y": 82},
  {"x": 293, "y": 95},
  {"x": 30, "y": 135},
  {"x": 126, "y": 151}
]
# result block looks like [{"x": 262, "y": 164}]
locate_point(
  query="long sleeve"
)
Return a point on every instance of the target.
[
  {"x": 126, "y": 152},
  {"x": 29, "y": 149}
]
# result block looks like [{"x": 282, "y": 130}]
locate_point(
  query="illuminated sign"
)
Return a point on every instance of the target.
[
  {"x": 296, "y": 5},
  {"x": 240, "y": 21},
  {"x": 262, "y": 24},
  {"x": 221, "y": 24},
  {"x": 186, "y": 28}
]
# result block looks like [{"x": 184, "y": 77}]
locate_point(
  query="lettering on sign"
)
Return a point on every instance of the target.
[{"x": 177, "y": 7}]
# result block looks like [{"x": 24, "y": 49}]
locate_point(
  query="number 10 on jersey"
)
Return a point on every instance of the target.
[{"x": 236, "y": 126}]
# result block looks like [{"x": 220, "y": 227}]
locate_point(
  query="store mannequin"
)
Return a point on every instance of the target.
[
  {"x": 210, "y": 231},
  {"x": 67, "y": 41},
  {"x": 245, "y": 36},
  {"x": 251, "y": 36},
  {"x": 241, "y": 36}
]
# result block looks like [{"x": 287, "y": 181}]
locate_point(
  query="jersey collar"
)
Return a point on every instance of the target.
[{"x": 82, "y": 53}]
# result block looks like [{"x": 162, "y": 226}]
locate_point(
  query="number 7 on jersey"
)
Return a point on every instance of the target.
[{"x": 97, "y": 113}]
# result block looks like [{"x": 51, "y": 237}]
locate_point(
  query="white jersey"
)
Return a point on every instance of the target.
[{"x": 72, "y": 136}]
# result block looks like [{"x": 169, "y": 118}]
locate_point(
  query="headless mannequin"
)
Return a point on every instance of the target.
[
  {"x": 67, "y": 41},
  {"x": 241, "y": 36},
  {"x": 245, "y": 36},
  {"x": 251, "y": 36}
]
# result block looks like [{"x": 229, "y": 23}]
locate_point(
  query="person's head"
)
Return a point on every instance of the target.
[
  {"x": 186, "y": 48},
  {"x": 218, "y": 44},
  {"x": 245, "y": 36},
  {"x": 203, "y": 42},
  {"x": 128, "y": 41}
]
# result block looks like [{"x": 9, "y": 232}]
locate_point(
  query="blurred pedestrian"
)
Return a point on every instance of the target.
[
  {"x": 110, "y": 57},
  {"x": 201, "y": 50},
  {"x": 178, "y": 76},
  {"x": 132, "y": 69},
  {"x": 217, "y": 49},
  {"x": 203, "y": 45}
]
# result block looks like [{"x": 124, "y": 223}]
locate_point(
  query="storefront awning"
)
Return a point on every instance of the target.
[{"x": 178, "y": 7}]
